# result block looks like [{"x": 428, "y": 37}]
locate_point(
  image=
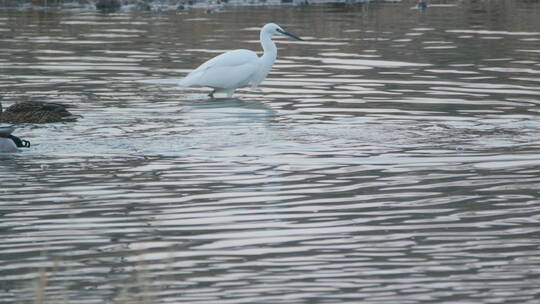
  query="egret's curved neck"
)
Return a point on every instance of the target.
[{"x": 269, "y": 48}]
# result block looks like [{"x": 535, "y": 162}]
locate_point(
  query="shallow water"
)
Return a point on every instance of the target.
[{"x": 392, "y": 157}]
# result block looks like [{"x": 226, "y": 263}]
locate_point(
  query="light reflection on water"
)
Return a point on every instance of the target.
[{"x": 384, "y": 160}]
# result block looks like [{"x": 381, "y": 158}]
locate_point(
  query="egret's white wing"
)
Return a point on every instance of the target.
[{"x": 228, "y": 70}]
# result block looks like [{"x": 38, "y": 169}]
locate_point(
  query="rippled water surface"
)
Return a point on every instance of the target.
[{"x": 392, "y": 157}]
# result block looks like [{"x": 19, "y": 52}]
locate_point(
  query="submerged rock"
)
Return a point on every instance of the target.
[
  {"x": 143, "y": 5},
  {"x": 36, "y": 112},
  {"x": 108, "y": 5}
]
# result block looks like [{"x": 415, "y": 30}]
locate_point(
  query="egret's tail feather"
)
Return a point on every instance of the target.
[
  {"x": 192, "y": 79},
  {"x": 184, "y": 82}
]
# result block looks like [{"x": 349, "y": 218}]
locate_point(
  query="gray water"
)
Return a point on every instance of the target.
[{"x": 392, "y": 157}]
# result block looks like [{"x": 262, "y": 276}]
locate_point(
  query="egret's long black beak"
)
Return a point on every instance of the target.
[{"x": 290, "y": 35}]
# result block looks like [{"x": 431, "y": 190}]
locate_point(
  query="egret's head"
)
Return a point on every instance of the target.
[{"x": 274, "y": 29}]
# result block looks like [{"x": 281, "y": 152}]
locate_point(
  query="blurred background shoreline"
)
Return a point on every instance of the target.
[{"x": 156, "y": 5}]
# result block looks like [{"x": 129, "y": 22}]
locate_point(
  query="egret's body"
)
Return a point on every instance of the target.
[{"x": 238, "y": 68}]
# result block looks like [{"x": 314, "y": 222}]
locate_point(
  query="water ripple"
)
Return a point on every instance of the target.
[{"x": 384, "y": 160}]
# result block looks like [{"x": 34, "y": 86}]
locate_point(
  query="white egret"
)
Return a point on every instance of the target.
[{"x": 237, "y": 68}]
